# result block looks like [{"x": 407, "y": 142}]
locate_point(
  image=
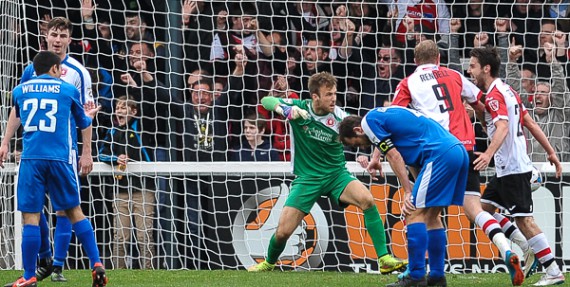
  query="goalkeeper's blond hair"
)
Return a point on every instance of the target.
[{"x": 322, "y": 79}]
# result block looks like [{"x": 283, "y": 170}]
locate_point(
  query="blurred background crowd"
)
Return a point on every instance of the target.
[{"x": 198, "y": 69}]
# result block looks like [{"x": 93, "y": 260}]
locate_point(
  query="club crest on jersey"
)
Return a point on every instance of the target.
[
  {"x": 330, "y": 121},
  {"x": 494, "y": 105},
  {"x": 63, "y": 71}
]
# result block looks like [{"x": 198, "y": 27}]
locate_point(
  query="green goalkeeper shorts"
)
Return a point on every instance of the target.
[{"x": 305, "y": 191}]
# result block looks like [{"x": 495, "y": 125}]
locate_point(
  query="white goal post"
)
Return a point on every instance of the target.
[{"x": 238, "y": 207}]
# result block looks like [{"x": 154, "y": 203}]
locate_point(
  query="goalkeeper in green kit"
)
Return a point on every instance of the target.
[{"x": 318, "y": 162}]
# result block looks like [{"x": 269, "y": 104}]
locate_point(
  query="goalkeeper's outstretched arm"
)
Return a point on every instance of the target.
[{"x": 290, "y": 112}]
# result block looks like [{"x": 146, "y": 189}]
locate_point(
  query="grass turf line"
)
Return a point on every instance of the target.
[{"x": 164, "y": 278}]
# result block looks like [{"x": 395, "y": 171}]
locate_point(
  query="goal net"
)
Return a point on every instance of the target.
[{"x": 191, "y": 197}]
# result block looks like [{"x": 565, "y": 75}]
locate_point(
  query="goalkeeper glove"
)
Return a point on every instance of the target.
[{"x": 291, "y": 112}]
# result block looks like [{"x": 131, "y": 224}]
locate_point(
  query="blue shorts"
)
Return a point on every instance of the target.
[
  {"x": 441, "y": 182},
  {"x": 38, "y": 177}
]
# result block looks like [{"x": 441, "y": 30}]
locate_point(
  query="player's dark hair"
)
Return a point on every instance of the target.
[
  {"x": 60, "y": 23},
  {"x": 346, "y": 127},
  {"x": 44, "y": 61},
  {"x": 488, "y": 56},
  {"x": 322, "y": 79}
]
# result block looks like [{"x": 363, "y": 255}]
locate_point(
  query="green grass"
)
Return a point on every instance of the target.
[{"x": 164, "y": 278}]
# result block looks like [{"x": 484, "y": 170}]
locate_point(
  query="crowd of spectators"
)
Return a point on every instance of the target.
[{"x": 234, "y": 53}]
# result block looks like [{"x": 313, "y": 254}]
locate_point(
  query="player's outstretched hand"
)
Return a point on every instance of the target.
[
  {"x": 482, "y": 161},
  {"x": 91, "y": 109},
  {"x": 292, "y": 112},
  {"x": 373, "y": 168}
]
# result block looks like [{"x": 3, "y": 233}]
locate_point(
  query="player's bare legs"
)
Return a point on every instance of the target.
[
  {"x": 355, "y": 193},
  {"x": 289, "y": 220}
]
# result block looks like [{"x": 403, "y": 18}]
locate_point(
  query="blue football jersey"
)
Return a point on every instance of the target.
[
  {"x": 45, "y": 106},
  {"x": 71, "y": 72},
  {"x": 415, "y": 136}
]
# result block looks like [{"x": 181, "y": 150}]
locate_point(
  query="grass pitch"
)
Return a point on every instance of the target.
[{"x": 160, "y": 278}]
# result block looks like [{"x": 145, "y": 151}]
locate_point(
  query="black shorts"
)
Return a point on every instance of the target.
[
  {"x": 473, "y": 183},
  {"x": 511, "y": 192}
]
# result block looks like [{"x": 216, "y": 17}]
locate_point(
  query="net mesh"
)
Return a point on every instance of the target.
[{"x": 196, "y": 69}]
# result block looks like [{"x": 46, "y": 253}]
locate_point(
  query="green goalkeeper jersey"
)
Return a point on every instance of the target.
[{"x": 315, "y": 147}]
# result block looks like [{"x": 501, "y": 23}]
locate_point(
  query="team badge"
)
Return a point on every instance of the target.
[
  {"x": 494, "y": 105},
  {"x": 63, "y": 71},
  {"x": 330, "y": 122}
]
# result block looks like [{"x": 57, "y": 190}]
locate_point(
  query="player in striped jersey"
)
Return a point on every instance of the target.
[
  {"x": 438, "y": 93},
  {"x": 48, "y": 164},
  {"x": 510, "y": 189}
]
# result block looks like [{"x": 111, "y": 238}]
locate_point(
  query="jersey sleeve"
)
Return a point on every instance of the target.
[
  {"x": 469, "y": 91},
  {"x": 15, "y": 94},
  {"x": 86, "y": 87},
  {"x": 291, "y": 102},
  {"x": 524, "y": 111},
  {"x": 82, "y": 121},
  {"x": 496, "y": 106},
  {"x": 402, "y": 96},
  {"x": 374, "y": 129}
]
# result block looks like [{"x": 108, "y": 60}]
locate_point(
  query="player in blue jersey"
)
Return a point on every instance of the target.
[
  {"x": 58, "y": 38},
  {"x": 45, "y": 106},
  {"x": 406, "y": 137}
]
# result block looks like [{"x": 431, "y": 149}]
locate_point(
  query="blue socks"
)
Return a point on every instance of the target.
[
  {"x": 62, "y": 238},
  {"x": 417, "y": 247},
  {"x": 30, "y": 247},
  {"x": 437, "y": 243},
  {"x": 84, "y": 232},
  {"x": 45, "y": 247}
]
